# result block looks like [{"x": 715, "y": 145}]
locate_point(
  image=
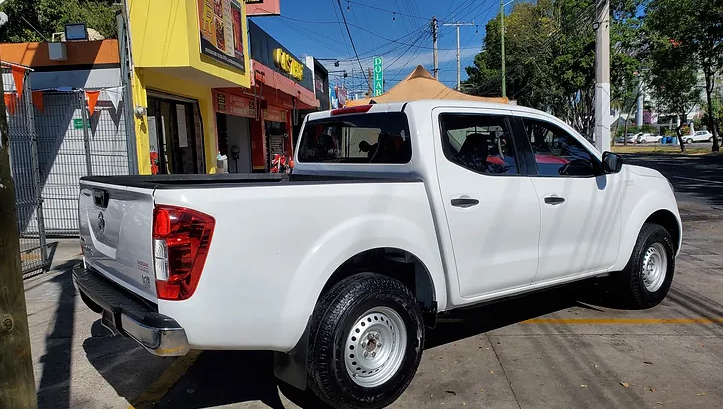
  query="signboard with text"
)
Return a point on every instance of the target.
[
  {"x": 378, "y": 76},
  {"x": 274, "y": 114},
  {"x": 220, "y": 26},
  {"x": 233, "y": 105},
  {"x": 263, "y": 8}
]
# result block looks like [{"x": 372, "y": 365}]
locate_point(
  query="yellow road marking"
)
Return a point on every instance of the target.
[
  {"x": 151, "y": 396},
  {"x": 714, "y": 320}
]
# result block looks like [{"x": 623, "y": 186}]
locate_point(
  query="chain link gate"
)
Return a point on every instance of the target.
[
  {"x": 72, "y": 144},
  {"x": 24, "y": 169}
]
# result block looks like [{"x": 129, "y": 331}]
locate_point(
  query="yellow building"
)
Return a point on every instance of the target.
[{"x": 180, "y": 50}]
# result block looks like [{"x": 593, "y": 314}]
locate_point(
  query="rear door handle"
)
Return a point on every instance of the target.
[
  {"x": 554, "y": 200},
  {"x": 464, "y": 202}
]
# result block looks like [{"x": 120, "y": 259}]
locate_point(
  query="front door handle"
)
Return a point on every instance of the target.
[
  {"x": 554, "y": 200},
  {"x": 464, "y": 202}
]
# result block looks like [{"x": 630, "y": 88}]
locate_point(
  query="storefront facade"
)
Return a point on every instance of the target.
[
  {"x": 256, "y": 124},
  {"x": 180, "y": 52}
]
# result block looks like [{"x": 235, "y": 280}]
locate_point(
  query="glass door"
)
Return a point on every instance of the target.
[{"x": 172, "y": 137}]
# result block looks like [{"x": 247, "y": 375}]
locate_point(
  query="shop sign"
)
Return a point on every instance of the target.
[
  {"x": 221, "y": 31},
  {"x": 234, "y": 105},
  {"x": 274, "y": 115},
  {"x": 341, "y": 95},
  {"x": 378, "y": 76},
  {"x": 288, "y": 64},
  {"x": 263, "y": 8}
]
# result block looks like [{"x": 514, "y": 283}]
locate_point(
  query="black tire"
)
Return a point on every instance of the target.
[
  {"x": 710, "y": 139},
  {"x": 336, "y": 313},
  {"x": 631, "y": 281},
  {"x": 689, "y": 141}
]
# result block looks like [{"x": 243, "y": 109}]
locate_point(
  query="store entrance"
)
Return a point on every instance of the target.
[
  {"x": 176, "y": 146},
  {"x": 234, "y": 141},
  {"x": 276, "y": 134}
]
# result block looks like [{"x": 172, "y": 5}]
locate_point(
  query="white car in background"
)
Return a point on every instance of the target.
[
  {"x": 648, "y": 138},
  {"x": 699, "y": 136}
]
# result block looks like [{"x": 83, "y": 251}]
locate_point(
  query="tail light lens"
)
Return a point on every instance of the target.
[{"x": 181, "y": 239}]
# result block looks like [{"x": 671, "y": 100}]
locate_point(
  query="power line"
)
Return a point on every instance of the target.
[
  {"x": 388, "y": 11},
  {"x": 352, "y": 40}
]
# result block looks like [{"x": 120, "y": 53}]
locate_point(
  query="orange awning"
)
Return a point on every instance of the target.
[{"x": 420, "y": 84}]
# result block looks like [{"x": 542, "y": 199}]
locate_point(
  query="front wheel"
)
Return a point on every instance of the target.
[
  {"x": 365, "y": 342},
  {"x": 646, "y": 279},
  {"x": 710, "y": 139},
  {"x": 689, "y": 141}
]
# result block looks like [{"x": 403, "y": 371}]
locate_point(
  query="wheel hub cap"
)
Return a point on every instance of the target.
[
  {"x": 655, "y": 267},
  {"x": 375, "y": 347}
]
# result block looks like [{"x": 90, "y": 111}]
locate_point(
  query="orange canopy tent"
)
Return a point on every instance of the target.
[{"x": 420, "y": 84}]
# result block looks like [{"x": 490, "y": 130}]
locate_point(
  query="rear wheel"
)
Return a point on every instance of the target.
[
  {"x": 646, "y": 279},
  {"x": 365, "y": 342}
]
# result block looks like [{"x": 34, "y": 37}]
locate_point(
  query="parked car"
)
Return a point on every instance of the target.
[
  {"x": 699, "y": 136},
  {"x": 339, "y": 266},
  {"x": 630, "y": 136},
  {"x": 649, "y": 138}
]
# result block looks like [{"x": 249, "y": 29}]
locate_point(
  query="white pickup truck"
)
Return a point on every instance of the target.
[{"x": 393, "y": 214}]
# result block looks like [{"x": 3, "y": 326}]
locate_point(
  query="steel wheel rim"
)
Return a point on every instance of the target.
[
  {"x": 375, "y": 347},
  {"x": 655, "y": 267}
]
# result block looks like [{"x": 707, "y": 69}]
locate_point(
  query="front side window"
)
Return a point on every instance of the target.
[
  {"x": 481, "y": 143},
  {"x": 381, "y": 138},
  {"x": 557, "y": 153}
]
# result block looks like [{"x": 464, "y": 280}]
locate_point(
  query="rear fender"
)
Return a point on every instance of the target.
[{"x": 338, "y": 245}]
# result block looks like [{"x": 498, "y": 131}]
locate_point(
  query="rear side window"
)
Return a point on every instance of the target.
[
  {"x": 480, "y": 143},
  {"x": 381, "y": 138}
]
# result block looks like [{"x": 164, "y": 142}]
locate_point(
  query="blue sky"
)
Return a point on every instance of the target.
[{"x": 310, "y": 28}]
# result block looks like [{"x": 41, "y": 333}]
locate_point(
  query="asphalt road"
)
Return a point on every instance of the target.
[{"x": 571, "y": 347}]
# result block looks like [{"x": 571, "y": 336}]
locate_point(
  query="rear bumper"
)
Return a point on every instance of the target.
[{"x": 124, "y": 313}]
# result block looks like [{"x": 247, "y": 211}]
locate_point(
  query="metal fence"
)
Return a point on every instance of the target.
[
  {"x": 72, "y": 144},
  {"x": 25, "y": 172}
]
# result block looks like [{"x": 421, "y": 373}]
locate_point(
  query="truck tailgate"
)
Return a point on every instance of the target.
[{"x": 116, "y": 234}]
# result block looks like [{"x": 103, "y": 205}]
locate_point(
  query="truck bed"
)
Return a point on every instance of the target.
[{"x": 240, "y": 179}]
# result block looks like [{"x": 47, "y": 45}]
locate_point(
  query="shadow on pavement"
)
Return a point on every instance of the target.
[
  {"x": 230, "y": 377},
  {"x": 54, "y": 383}
]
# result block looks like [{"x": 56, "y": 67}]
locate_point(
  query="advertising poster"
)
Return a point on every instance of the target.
[
  {"x": 221, "y": 31},
  {"x": 234, "y": 105},
  {"x": 263, "y": 8}
]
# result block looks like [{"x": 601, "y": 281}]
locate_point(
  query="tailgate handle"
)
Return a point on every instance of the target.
[{"x": 101, "y": 197}]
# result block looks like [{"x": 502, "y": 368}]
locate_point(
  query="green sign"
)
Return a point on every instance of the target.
[
  {"x": 78, "y": 123},
  {"x": 378, "y": 76}
]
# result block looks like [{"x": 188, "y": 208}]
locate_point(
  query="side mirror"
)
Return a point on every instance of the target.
[{"x": 612, "y": 163}]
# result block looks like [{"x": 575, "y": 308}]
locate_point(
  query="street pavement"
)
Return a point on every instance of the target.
[{"x": 571, "y": 347}]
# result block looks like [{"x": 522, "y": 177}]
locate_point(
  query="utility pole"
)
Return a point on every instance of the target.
[
  {"x": 602, "y": 75},
  {"x": 371, "y": 91},
  {"x": 502, "y": 48},
  {"x": 435, "y": 28},
  {"x": 17, "y": 385},
  {"x": 457, "y": 24}
]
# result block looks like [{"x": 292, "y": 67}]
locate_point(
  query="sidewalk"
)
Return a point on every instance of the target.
[{"x": 77, "y": 363}]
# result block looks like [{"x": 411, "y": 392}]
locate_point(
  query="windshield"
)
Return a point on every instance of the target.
[{"x": 364, "y": 138}]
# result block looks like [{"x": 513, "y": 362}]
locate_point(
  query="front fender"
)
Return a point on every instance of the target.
[
  {"x": 346, "y": 240},
  {"x": 642, "y": 208}
]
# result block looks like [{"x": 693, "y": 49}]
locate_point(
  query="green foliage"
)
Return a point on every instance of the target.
[
  {"x": 50, "y": 16},
  {"x": 550, "y": 58}
]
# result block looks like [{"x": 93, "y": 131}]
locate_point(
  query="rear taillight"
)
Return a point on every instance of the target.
[{"x": 181, "y": 239}]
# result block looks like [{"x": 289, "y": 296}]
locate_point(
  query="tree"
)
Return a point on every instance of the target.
[
  {"x": 694, "y": 27},
  {"x": 550, "y": 58},
  {"x": 37, "y": 20},
  {"x": 673, "y": 80}
]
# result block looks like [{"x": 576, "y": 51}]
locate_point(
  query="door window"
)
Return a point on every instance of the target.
[
  {"x": 480, "y": 143},
  {"x": 557, "y": 153}
]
